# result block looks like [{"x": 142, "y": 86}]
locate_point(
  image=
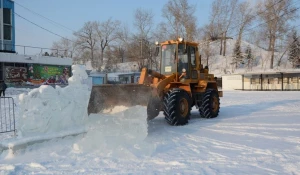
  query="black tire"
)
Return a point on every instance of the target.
[
  {"x": 177, "y": 107},
  {"x": 210, "y": 106},
  {"x": 153, "y": 108}
]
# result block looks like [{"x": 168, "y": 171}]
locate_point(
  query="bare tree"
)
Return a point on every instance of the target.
[
  {"x": 276, "y": 14},
  {"x": 65, "y": 47},
  {"x": 244, "y": 17},
  {"x": 143, "y": 21},
  {"x": 222, "y": 16},
  {"x": 81, "y": 57},
  {"x": 106, "y": 33},
  {"x": 161, "y": 32},
  {"x": 180, "y": 17},
  {"x": 206, "y": 37},
  {"x": 86, "y": 40},
  {"x": 112, "y": 53}
]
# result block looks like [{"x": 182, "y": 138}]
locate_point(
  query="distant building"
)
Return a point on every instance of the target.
[
  {"x": 23, "y": 69},
  {"x": 266, "y": 81}
]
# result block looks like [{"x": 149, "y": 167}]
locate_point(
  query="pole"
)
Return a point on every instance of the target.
[
  {"x": 281, "y": 81},
  {"x": 261, "y": 82},
  {"x": 298, "y": 79},
  {"x": 243, "y": 79}
]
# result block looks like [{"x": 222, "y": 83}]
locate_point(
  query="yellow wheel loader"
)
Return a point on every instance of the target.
[{"x": 180, "y": 84}]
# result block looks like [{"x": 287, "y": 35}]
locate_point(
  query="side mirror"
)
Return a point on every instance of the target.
[{"x": 156, "y": 51}]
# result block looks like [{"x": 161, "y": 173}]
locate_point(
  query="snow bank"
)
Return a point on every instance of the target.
[
  {"x": 51, "y": 110},
  {"x": 117, "y": 134},
  {"x": 47, "y": 112}
]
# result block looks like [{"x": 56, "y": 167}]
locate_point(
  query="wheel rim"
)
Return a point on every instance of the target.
[
  {"x": 215, "y": 104},
  {"x": 183, "y": 106}
]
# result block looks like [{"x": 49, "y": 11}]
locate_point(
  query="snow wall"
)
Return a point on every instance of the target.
[{"x": 47, "y": 110}]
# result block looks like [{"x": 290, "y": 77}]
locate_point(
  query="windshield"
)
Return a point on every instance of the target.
[
  {"x": 168, "y": 64},
  {"x": 182, "y": 59}
]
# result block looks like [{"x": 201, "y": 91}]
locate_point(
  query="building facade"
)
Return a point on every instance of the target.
[
  {"x": 23, "y": 70},
  {"x": 7, "y": 26},
  {"x": 272, "y": 81}
]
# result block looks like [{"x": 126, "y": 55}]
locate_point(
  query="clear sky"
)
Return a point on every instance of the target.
[{"x": 74, "y": 13}]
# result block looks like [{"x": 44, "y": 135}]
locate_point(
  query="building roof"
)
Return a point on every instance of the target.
[{"x": 34, "y": 59}]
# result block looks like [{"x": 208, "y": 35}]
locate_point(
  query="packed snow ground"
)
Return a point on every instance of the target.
[{"x": 255, "y": 133}]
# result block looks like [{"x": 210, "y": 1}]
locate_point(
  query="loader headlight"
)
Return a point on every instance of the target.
[
  {"x": 180, "y": 39},
  {"x": 156, "y": 42}
]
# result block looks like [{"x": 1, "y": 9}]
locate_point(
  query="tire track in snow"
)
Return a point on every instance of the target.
[
  {"x": 228, "y": 145},
  {"x": 258, "y": 128},
  {"x": 295, "y": 140},
  {"x": 258, "y": 158}
]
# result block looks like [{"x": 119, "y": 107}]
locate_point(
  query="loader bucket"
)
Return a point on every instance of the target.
[{"x": 106, "y": 97}]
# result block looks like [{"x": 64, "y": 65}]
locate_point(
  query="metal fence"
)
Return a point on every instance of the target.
[
  {"x": 7, "y": 115},
  {"x": 32, "y": 50}
]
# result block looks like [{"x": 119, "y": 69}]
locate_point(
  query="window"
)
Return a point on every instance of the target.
[
  {"x": 193, "y": 56},
  {"x": 20, "y": 65},
  {"x": 7, "y": 24},
  {"x": 183, "y": 60},
  {"x": 168, "y": 64},
  {"x": 194, "y": 74},
  {"x": 9, "y": 64},
  {"x": 279, "y": 81},
  {"x": 7, "y": 32},
  {"x": 7, "y": 16}
]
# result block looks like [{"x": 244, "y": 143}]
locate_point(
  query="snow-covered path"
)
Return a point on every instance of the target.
[{"x": 255, "y": 133}]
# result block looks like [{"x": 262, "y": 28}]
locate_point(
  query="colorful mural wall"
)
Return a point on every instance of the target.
[
  {"x": 15, "y": 75},
  {"x": 48, "y": 74}
]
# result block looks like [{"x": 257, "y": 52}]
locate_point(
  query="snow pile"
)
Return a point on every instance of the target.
[
  {"x": 47, "y": 112},
  {"x": 119, "y": 134},
  {"x": 51, "y": 110}
]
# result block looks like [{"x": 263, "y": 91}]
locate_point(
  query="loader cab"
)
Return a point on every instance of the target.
[{"x": 178, "y": 57}]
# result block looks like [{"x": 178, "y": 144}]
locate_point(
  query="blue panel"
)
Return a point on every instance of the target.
[
  {"x": 13, "y": 26},
  {"x": 97, "y": 80},
  {"x": 11, "y": 5},
  {"x": 8, "y": 4}
]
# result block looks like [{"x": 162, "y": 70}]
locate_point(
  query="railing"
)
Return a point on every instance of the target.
[
  {"x": 32, "y": 50},
  {"x": 7, "y": 115}
]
